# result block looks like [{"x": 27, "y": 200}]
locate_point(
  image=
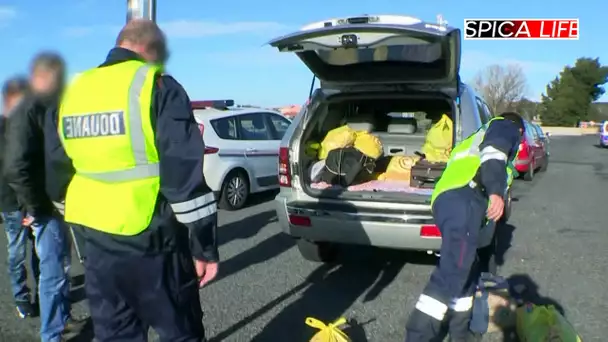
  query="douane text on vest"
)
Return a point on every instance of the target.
[{"x": 93, "y": 125}]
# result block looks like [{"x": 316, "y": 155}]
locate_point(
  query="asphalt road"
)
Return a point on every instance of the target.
[{"x": 265, "y": 290}]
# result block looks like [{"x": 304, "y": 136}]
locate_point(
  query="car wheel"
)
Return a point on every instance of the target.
[
  {"x": 545, "y": 165},
  {"x": 317, "y": 251},
  {"x": 529, "y": 176},
  {"x": 235, "y": 191}
]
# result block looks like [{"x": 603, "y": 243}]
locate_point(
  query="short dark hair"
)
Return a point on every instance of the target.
[
  {"x": 144, "y": 32},
  {"x": 515, "y": 118},
  {"x": 15, "y": 86},
  {"x": 49, "y": 60},
  {"x": 141, "y": 31}
]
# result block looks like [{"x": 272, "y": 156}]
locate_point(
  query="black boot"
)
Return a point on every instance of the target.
[
  {"x": 459, "y": 327},
  {"x": 421, "y": 327}
]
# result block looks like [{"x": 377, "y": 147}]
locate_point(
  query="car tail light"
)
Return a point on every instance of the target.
[
  {"x": 430, "y": 231},
  {"x": 524, "y": 150},
  {"x": 298, "y": 220},
  {"x": 211, "y": 150},
  {"x": 201, "y": 128},
  {"x": 284, "y": 170}
]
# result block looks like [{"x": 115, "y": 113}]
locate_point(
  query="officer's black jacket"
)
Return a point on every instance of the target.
[
  {"x": 503, "y": 136},
  {"x": 8, "y": 198},
  {"x": 181, "y": 152},
  {"x": 23, "y": 164}
]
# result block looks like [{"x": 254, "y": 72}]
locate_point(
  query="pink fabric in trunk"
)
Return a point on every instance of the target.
[{"x": 377, "y": 185}]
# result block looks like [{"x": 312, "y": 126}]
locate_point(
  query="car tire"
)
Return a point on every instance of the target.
[
  {"x": 235, "y": 191},
  {"x": 545, "y": 165},
  {"x": 317, "y": 251},
  {"x": 529, "y": 176}
]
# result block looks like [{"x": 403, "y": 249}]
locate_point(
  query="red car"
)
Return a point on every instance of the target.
[{"x": 532, "y": 155}]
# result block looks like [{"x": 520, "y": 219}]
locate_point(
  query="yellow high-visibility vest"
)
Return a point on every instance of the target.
[
  {"x": 463, "y": 164},
  {"x": 105, "y": 127}
]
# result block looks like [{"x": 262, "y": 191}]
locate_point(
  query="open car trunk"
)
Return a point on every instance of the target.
[{"x": 400, "y": 121}]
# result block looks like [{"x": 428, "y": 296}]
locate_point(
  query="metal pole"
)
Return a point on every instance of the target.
[{"x": 141, "y": 9}]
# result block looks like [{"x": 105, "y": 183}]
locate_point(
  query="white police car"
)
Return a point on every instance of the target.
[{"x": 241, "y": 149}]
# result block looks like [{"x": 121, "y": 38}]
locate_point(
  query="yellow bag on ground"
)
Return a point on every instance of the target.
[
  {"x": 328, "y": 333},
  {"x": 438, "y": 142},
  {"x": 543, "y": 323},
  {"x": 340, "y": 137},
  {"x": 368, "y": 144}
]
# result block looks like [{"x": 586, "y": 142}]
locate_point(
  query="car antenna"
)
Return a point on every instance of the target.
[{"x": 441, "y": 21}]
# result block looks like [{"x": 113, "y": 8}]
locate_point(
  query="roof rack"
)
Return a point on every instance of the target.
[{"x": 216, "y": 104}]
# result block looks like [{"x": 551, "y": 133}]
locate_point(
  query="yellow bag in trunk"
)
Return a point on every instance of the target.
[
  {"x": 340, "y": 137},
  {"x": 438, "y": 143},
  {"x": 368, "y": 144},
  {"x": 543, "y": 323},
  {"x": 328, "y": 333}
]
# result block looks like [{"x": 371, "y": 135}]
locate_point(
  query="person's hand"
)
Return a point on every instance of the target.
[
  {"x": 206, "y": 271},
  {"x": 27, "y": 221},
  {"x": 495, "y": 208}
]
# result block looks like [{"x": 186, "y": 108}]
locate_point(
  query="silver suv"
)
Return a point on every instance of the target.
[{"x": 370, "y": 68}]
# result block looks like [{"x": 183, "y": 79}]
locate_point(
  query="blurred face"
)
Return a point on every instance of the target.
[
  {"x": 9, "y": 102},
  {"x": 44, "y": 81}
]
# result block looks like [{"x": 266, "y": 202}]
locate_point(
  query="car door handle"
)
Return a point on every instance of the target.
[{"x": 250, "y": 149}]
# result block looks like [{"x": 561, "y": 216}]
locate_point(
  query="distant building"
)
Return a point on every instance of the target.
[{"x": 290, "y": 111}]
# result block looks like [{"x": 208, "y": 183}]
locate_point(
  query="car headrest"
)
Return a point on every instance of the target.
[
  {"x": 361, "y": 122},
  {"x": 402, "y": 126},
  {"x": 361, "y": 126},
  {"x": 258, "y": 122}
]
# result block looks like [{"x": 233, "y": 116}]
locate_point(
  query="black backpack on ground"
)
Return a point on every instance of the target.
[{"x": 344, "y": 165}]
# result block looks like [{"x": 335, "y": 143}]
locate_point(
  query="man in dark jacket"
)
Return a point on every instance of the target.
[
  {"x": 13, "y": 93},
  {"x": 24, "y": 169},
  {"x": 146, "y": 276}
]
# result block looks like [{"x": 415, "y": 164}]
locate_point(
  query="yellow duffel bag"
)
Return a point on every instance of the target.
[
  {"x": 340, "y": 137},
  {"x": 438, "y": 142},
  {"x": 368, "y": 144}
]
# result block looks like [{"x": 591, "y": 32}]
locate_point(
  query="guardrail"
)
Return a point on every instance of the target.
[{"x": 570, "y": 131}]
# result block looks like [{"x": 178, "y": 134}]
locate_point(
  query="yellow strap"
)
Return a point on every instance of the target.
[{"x": 331, "y": 331}]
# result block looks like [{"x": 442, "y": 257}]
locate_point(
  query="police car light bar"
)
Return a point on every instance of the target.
[
  {"x": 364, "y": 19},
  {"x": 217, "y": 104}
]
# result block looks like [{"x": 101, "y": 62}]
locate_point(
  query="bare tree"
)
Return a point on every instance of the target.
[{"x": 502, "y": 86}]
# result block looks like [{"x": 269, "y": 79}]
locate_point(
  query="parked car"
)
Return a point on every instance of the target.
[
  {"x": 604, "y": 134},
  {"x": 241, "y": 149},
  {"x": 370, "y": 67},
  {"x": 533, "y": 154},
  {"x": 544, "y": 139}
]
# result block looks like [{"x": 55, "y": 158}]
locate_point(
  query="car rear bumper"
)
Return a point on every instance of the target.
[
  {"x": 340, "y": 227},
  {"x": 522, "y": 166}
]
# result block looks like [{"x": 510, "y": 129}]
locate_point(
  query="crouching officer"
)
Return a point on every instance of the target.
[
  {"x": 127, "y": 156},
  {"x": 470, "y": 191}
]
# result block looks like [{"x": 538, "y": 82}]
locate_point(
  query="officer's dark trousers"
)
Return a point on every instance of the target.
[
  {"x": 449, "y": 293},
  {"x": 129, "y": 294}
]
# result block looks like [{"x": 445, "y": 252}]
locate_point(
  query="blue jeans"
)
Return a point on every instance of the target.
[
  {"x": 52, "y": 246},
  {"x": 17, "y": 237}
]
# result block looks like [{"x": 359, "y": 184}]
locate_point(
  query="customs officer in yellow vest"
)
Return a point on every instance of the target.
[
  {"x": 470, "y": 191},
  {"x": 126, "y": 159}
]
